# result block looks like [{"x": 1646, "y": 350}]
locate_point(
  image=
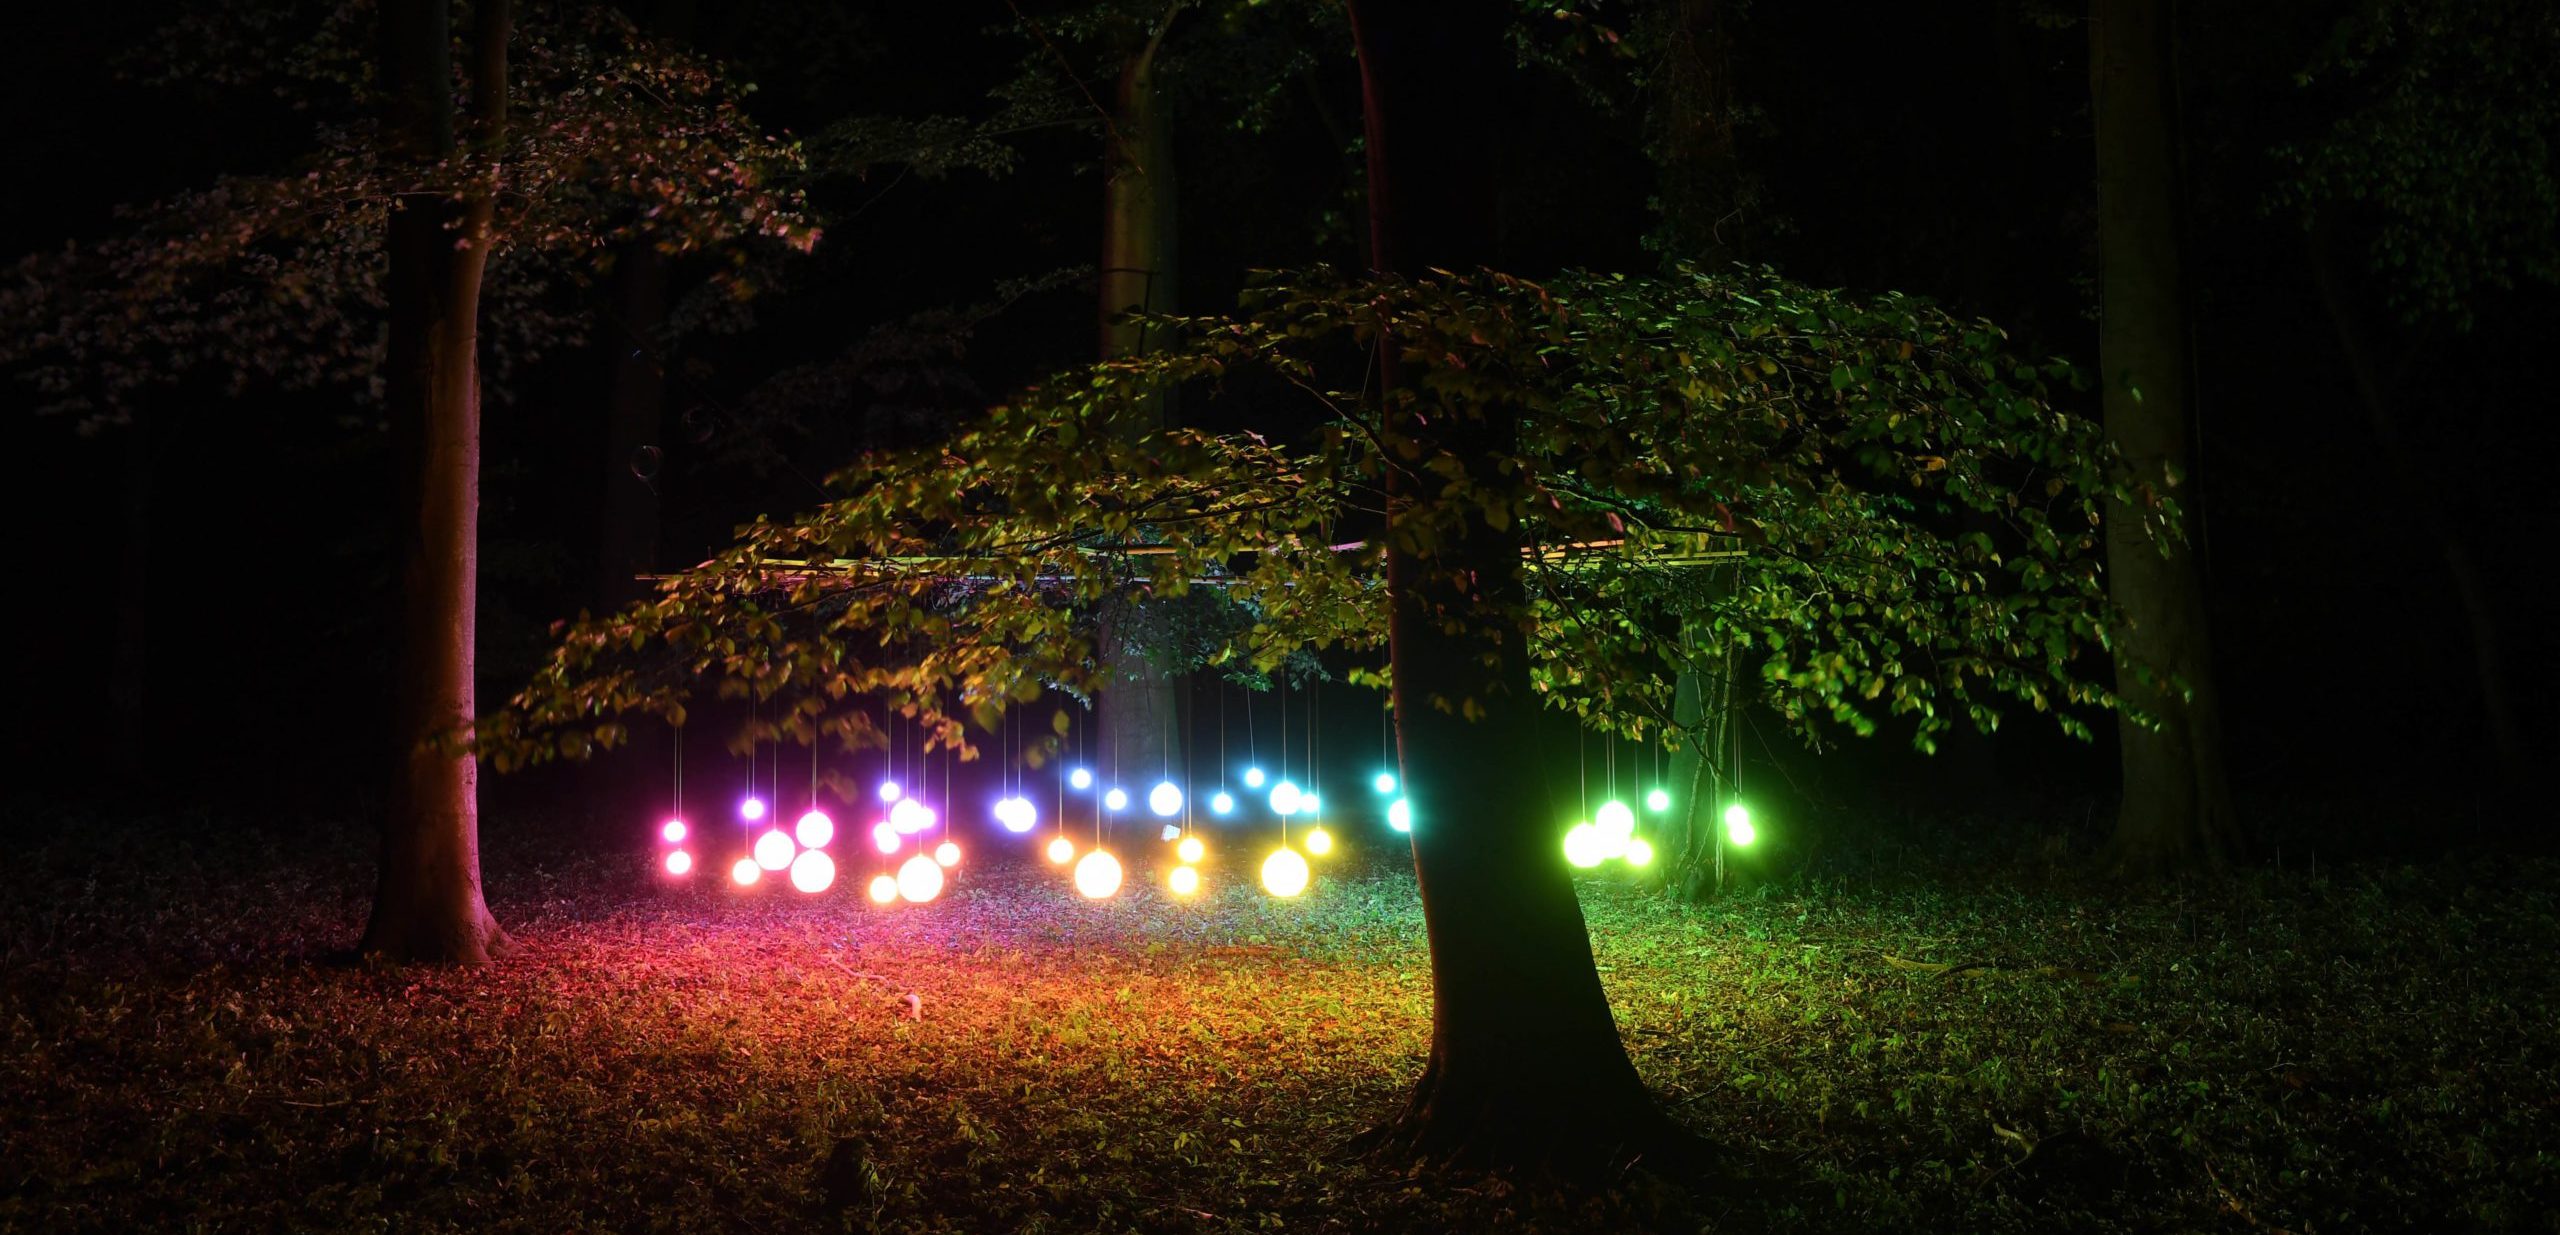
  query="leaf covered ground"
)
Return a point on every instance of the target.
[{"x": 184, "y": 1046}]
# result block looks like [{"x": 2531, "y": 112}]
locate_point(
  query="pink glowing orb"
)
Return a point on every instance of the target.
[
  {"x": 1061, "y": 849},
  {"x": 679, "y": 862},
  {"x": 673, "y": 831},
  {"x": 920, "y": 879},
  {"x": 884, "y": 837},
  {"x": 946, "y": 854},
  {"x": 889, "y": 791},
  {"x": 814, "y": 829},
  {"x": 813, "y": 871},
  {"x": 746, "y": 872},
  {"x": 884, "y": 889},
  {"x": 910, "y": 816},
  {"x": 773, "y": 850},
  {"x": 751, "y": 809}
]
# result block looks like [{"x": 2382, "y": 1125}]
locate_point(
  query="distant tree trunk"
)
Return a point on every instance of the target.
[
  {"x": 428, "y": 905},
  {"x": 1141, "y": 716},
  {"x": 1702, "y": 711},
  {"x": 1526, "y": 1067},
  {"x": 2176, "y": 813},
  {"x": 628, "y": 543}
]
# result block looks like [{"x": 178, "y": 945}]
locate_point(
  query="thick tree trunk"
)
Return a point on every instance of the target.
[
  {"x": 428, "y": 904},
  {"x": 1526, "y": 1067},
  {"x": 1141, "y": 715},
  {"x": 2176, "y": 813}
]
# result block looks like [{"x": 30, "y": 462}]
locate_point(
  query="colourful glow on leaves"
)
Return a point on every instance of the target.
[
  {"x": 1319, "y": 841},
  {"x": 1184, "y": 880},
  {"x": 745, "y": 872},
  {"x": 1284, "y": 873},
  {"x": 919, "y": 879},
  {"x": 1061, "y": 850},
  {"x": 1253, "y": 778},
  {"x": 1639, "y": 852},
  {"x": 1383, "y": 782},
  {"x": 947, "y": 854},
  {"x": 1190, "y": 850},
  {"x": 813, "y": 871},
  {"x": 1658, "y": 801},
  {"x": 1098, "y": 874},
  {"x": 1115, "y": 799},
  {"x": 673, "y": 831},
  {"x": 679, "y": 862},
  {"x": 773, "y": 850},
  {"x": 1400, "y": 815},
  {"x": 1222, "y": 803},
  {"x": 889, "y": 791},
  {"x": 884, "y": 889},
  {"x": 751, "y": 809},
  {"x": 815, "y": 829},
  {"x": 1285, "y": 798},
  {"x": 1081, "y": 778},
  {"x": 1582, "y": 846},
  {"x": 1165, "y": 798}
]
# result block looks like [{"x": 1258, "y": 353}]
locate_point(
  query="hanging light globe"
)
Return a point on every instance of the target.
[
  {"x": 1098, "y": 874},
  {"x": 1165, "y": 798},
  {"x": 1017, "y": 814},
  {"x": 1310, "y": 803},
  {"x": 1639, "y": 852},
  {"x": 1115, "y": 799},
  {"x": 679, "y": 862},
  {"x": 910, "y": 816},
  {"x": 1183, "y": 881},
  {"x": 672, "y": 831},
  {"x": 1319, "y": 841},
  {"x": 1284, "y": 873},
  {"x": 1383, "y": 782},
  {"x": 1615, "y": 820},
  {"x": 889, "y": 791},
  {"x": 1658, "y": 801},
  {"x": 1081, "y": 778},
  {"x": 1190, "y": 850},
  {"x": 947, "y": 854},
  {"x": 773, "y": 850},
  {"x": 751, "y": 809},
  {"x": 815, "y": 829},
  {"x": 884, "y": 889},
  {"x": 884, "y": 837},
  {"x": 919, "y": 879},
  {"x": 1253, "y": 778},
  {"x": 1400, "y": 815},
  {"x": 1582, "y": 846},
  {"x": 1061, "y": 849},
  {"x": 745, "y": 872},
  {"x": 1737, "y": 825},
  {"x": 1222, "y": 803},
  {"x": 1285, "y": 799},
  {"x": 813, "y": 871}
]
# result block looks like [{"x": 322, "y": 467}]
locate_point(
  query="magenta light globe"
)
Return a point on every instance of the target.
[
  {"x": 679, "y": 862},
  {"x": 751, "y": 809},
  {"x": 673, "y": 831},
  {"x": 773, "y": 850},
  {"x": 813, "y": 871},
  {"x": 815, "y": 829}
]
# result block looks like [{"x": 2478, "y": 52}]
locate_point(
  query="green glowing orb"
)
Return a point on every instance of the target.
[
  {"x": 1639, "y": 852},
  {"x": 1615, "y": 820},
  {"x": 1583, "y": 847},
  {"x": 1658, "y": 801}
]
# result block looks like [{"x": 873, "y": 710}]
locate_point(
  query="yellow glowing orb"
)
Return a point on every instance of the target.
[
  {"x": 1061, "y": 850},
  {"x": 813, "y": 871},
  {"x": 1190, "y": 849},
  {"x": 947, "y": 854},
  {"x": 1184, "y": 880},
  {"x": 1098, "y": 874},
  {"x": 773, "y": 850},
  {"x": 884, "y": 889},
  {"x": 746, "y": 872},
  {"x": 1284, "y": 873},
  {"x": 1583, "y": 847},
  {"x": 1639, "y": 852},
  {"x": 1319, "y": 841},
  {"x": 919, "y": 879}
]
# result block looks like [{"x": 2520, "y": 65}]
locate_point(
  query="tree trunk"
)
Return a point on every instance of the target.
[
  {"x": 428, "y": 904},
  {"x": 1141, "y": 716},
  {"x": 2176, "y": 813},
  {"x": 1526, "y": 1067}
]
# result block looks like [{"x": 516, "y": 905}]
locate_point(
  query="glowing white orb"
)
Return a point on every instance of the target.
[
  {"x": 751, "y": 809},
  {"x": 773, "y": 850},
  {"x": 813, "y": 871},
  {"x": 1222, "y": 803},
  {"x": 679, "y": 862},
  {"x": 1582, "y": 846},
  {"x": 1081, "y": 778},
  {"x": 1017, "y": 814},
  {"x": 1737, "y": 825},
  {"x": 1639, "y": 852},
  {"x": 1061, "y": 849},
  {"x": 884, "y": 889},
  {"x": 1165, "y": 798},
  {"x": 815, "y": 830},
  {"x": 1284, "y": 873},
  {"x": 1097, "y": 874},
  {"x": 946, "y": 854},
  {"x": 889, "y": 791},
  {"x": 1400, "y": 815},
  {"x": 1184, "y": 881},
  {"x": 1190, "y": 849},
  {"x": 1319, "y": 841},
  {"x": 1383, "y": 782},
  {"x": 673, "y": 831},
  {"x": 1253, "y": 778},
  {"x": 1310, "y": 803},
  {"x": 920, "y": 879},
  {"x": 746, "y": 872},
  {"x": 1658, "y": 801},
  {"x": 1285, "y": 799},
  {"x": 910, "y": 816},
  {"x": 884, "y": 837},
  {"x": 1115, "y": 799},
  {"x": 1615, "y": 820}
]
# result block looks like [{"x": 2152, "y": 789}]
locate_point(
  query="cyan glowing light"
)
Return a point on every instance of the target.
[
  {"x": 1081, "y": 778},
  {"x": 1222, "y": 803},
  {"x": 884, "y": 837},
  {"x": 745, "y": 872},
  {"x": 1165, "y": 798},
  {"x": 1183, "y": 881},
  {"x": 919, "y": 879},
  {"x": 1658, "y": 801},
  {"x": 1310, "y": 803},
  {"x": 1284, "y": 873},
  {"x": 751, "y": 809},
  {"x": 1115, "y": 799},
  {"x": 1319, "y": 841},
  {"x": 1253, "y": 778},
  {"x": 1061, "y": 849},
  {"x": 1400, "y": 815},
  {"x": 1190, "y": 850},
  {"x": 1383, "y": 782},
  {"x": 947, "y": 854},
  {"x": 910, "y": 816},
  {"x": 1639, "y": 852},
  {"x": 1582, "y": 846},
  {"x": 884, "y": 889},
  {"x": 673, "y": 831},
  {"x": 1172, "y": 831},
  {"x": 1017, "y": 814},
  {"x": 1285, "y": 798},
  {"x": 813, "y": 871},
  {"x": 889, "y": 791},
  {"x": 773, "y": 850},
  {"x": 679, "y": 862},
  {"x": 1098, "y": 874},
  {"x": 814, "y": 829}
]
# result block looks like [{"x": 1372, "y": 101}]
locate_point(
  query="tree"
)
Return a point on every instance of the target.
[{"x": 2176, "y": 812}]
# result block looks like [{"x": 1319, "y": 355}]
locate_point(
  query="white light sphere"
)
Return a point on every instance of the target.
[
  {"x": 1582, "y": 846},
  {"x": 1115, "y": 799},
  {"x": 1614, "y": 820},
  {"x": 884, "y": 889},
  {"x": 815, "y": 830},
  {"x": 672, "y": 831},
  {"x": 751, "y": 809},
  {"x": 946, "y": 854},
  {"x": 745, "y": 872},
  {"x": 1017, "y": 814},
  {"x": 1400, "y": 815},
  {"x": 1319, "y": 841},
  {"x": 920, "y": 879},
  {"x": 1639, "y": 852},
  {"x": 1310, "y": 803},
  {"x": 1284, "y": 873},
  {"x": 679, "y": 862},
  {"x": 1222, "y": 803},
  {"x": 1383, "y": 782},
  {"x": 884, "y": 837},
  {"x": 773, "y": 850},
  {"x": 910, "y": 816},
  {"x": 1190, "y": 850},
  {"x": 1061, "y": 850},
  {"x": 1081, "y": 778},
  {"x": 889, "y": 791},
  {"x": 813, "y": 871},
  {"x": 1658, "y": 801},
  {"x": 1253, "y": 778},
  {"x": 1098, "y": 874},
  {"x": 1285, "y": 798},
  {"x": 1183, "y": 881},
  {"x": 1165, "y": 798}
]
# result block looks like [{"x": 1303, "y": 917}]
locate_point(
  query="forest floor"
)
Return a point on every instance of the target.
[{"x": 184, "y": 1046}]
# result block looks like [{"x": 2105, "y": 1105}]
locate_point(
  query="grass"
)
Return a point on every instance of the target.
[{"x": 182, "y": 1048}]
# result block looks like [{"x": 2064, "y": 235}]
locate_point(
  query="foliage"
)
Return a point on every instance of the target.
[
  {"x": 615, "y": 138},
  {"x": 1917, "y": 526},
  {"x": 2366, "y": 1050},
  {"x": 2448, "y": 115}
]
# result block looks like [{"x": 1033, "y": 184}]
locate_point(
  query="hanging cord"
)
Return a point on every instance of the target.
[{"x": 679, "y": 776}]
